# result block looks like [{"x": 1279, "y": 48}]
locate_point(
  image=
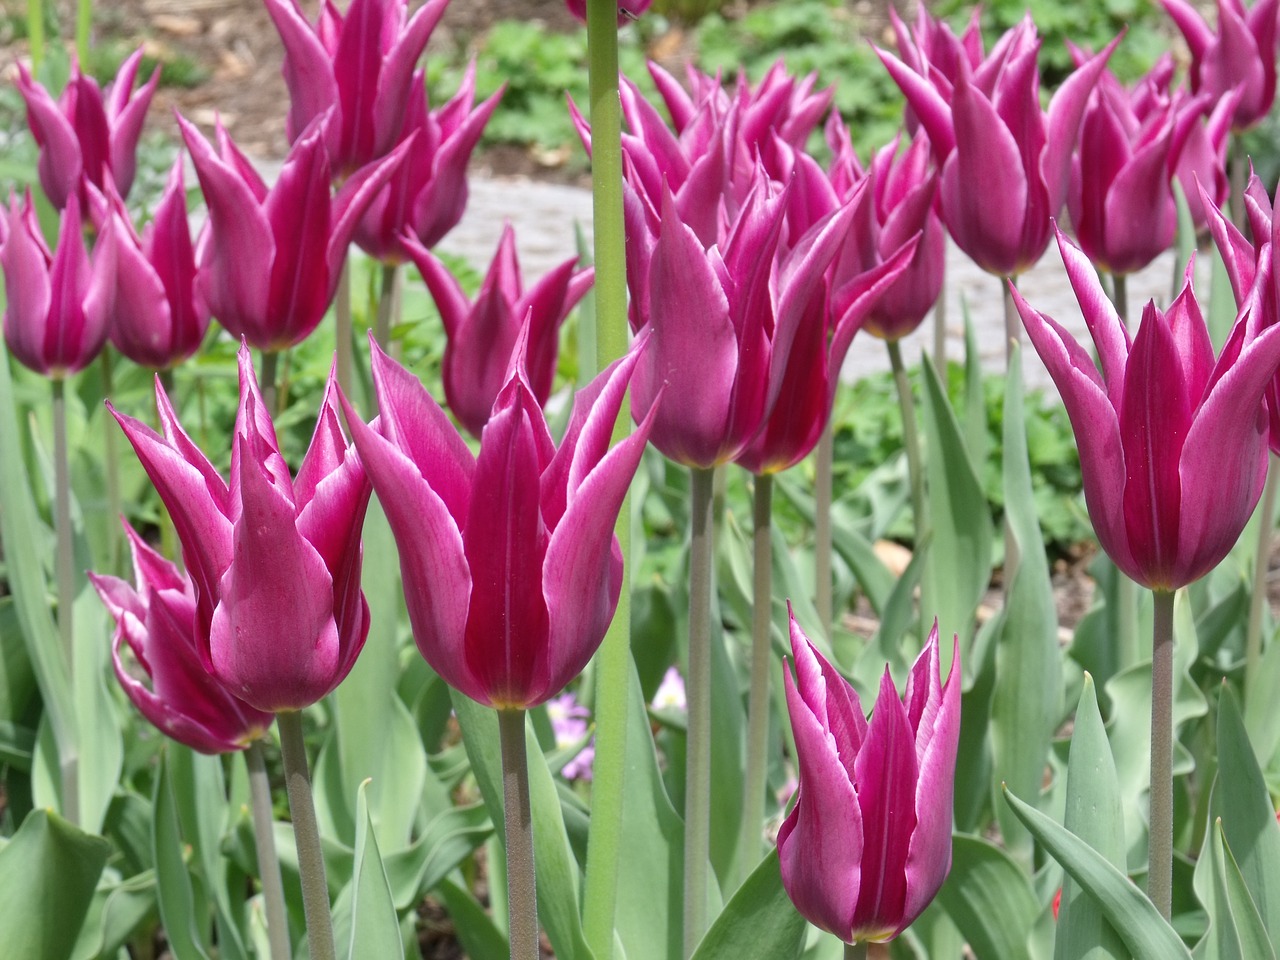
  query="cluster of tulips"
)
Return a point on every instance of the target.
[{"x": 749, "y": 267}]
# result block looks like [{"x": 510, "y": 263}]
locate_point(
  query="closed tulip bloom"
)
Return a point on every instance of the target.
[
  {"x": 1241, "y": 54},
  {"x": 274, "y": 560},
  {"x": 1005, "y": 162},
  {"x": 55, "y": 318},
  {"x": 483, "y": 332},
  {"x": 1173, "y": 443},
  {"x": 428, "y": 192},
  {"x": 510, "y": 566},
  {"x": 156, "y": 319},
  {"x": 155, "y": 618},
  {"x": 271, "y": 259},
  {"x": 868, "y": 843},
  {"x": 86, "y": 136},
  {"x": 354, "y": 71}
]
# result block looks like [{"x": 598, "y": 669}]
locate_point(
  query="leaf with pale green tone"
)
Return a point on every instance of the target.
[
  {"x": 1261, "y": 718},
  {"x": 97, "y": 714},
  {"x": 449, "y": 838},
  {"x": 989, "y": 899},
  {"x": 557, "y": 871},
  {"x": 18, "y": 689},
  {"x": 1130, "y": 727},
  {"x": 975, "y": 407},
  {"x": 1147, "y": 935},
  {"x": 728, "y": 749},
  {"x": 119, "y": 908},
  {"x": 1236, "y": 931},
  {"x": 1220, "y": 312},
  {"x": 476, "y": 930},
  {"x": 1093, "y": 814},
  {"x": 1026, "y": 701},
  {"x": 375, "y": 932},
  {"x": 1241, "y": 801},
  {"x": 181, "y": 900},
  {"x": 49, "y": 871},
  {"x": 758, "y": 921},
  {"x": 973, "y": 758},
  {"x": 958, "y": 569}
]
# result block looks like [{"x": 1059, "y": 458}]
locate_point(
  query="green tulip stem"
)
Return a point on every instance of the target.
[
  {"x": 35, "y": 33},
  {"x": 940, "y": 326},
  {"x": 1012, "y": 322},
  {"x": 342, "y": 320},
  {"x": 1261, "y": 564},
  {"x": 66, "y": 578},
  {"x": 824, "y": 461},
  {"x": 910, "y": 440},
  {"x": 388, "y": 304},
  {"x": 751, "y": 839},
  {"x": 268, "y": 863},
  {"x": 1239, "y": 173},
  {"x": 306, "y": 833},
  {"x": 855, "y": 951},
  {"x": 84, "y": 24},
  {"x": 1120, "y": 296},
  {"x": 613, "y": 662},
  {"x": 267, "y": 379},
  {"x": 697, "y": 797},
  {"x": 1160, "y": 863},
  {"x": 111, "y": 465},
  {"x": 517, "y": 818}
]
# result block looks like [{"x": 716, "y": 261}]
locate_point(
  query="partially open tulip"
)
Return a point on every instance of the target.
[
  {"x": 1240, "y": 55},
  {"x": 55, "y": 318},
  {"x": 86, "y": 137},
  {"x": 868, "y": 843},
  {"x": 165, "y": 678},
  {"x": 356, "y": 71},
  {"x": 428, "y": 192},
  {"x": 510, "y": 566},
  {"x": 483, "y": 332},
  {"x": 1173, "y": 443},
  {"x": 271, "y": 259},
  {"x": 156, "y": 318},
  {"x": 1005, "y": 162},
  {"x": 274, "y": 560}
]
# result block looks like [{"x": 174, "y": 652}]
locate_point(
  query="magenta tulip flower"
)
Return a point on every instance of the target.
[
  {"x": 55, "y": 318},
  {"x": 428, "y": 193},
  {"x": 1240, "y": 55},
  {"x": 274, "y": 560},
  {"x": 930, "y": 46},
  {"x": 354, "y": 71},
  {"x": 270, "y": 262},
  {"x": 156, "y": 620},
  {"x": 627, "y": 9},
  {"x": 1173, "y": 443},
  {"x": 901, "y": 205},
  {"x": 510, "y": 566},
  {"x": 87, "y": 137},
  {"x": 1005, "y": 162},
  {"x": 868, "y": 843},
  {"x": 482, "y": 333},
  {"x": 156, "y": 318}
]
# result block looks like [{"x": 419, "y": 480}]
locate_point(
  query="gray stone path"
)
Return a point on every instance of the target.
[{"x": 544, "y": 217}]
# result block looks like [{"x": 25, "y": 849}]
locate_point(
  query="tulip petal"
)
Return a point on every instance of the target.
[{"x": 308, "y": 67}]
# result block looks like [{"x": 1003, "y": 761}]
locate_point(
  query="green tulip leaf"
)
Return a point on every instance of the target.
[
  {"x": 759, "y": 921},
  {"x": 1147, "y": 935},
  {"x": 181, "y": 901},
  {"x": 988, "y": 897},
  {"x": 375, "y": 932}
]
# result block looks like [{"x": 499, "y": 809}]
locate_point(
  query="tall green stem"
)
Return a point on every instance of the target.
[
  {"x": 824, "y": 463},
  {"x": 1013, "y": 338},
  {"x": 112, "y": 467},
  {"x": 751, "y": 838},
  {"x": 517, "y": 818},
  {"x": 268, "y": 862},
  {"x": 1160, "y": 846},
  {"x": 267, "y": 379},
  {"x": 940, "y": 327},
  {"x": 1238, "y": 173},
  {"x": 66, "y": 577},
  {"x": 306, "y": 833},
  {"x": 35, "y": 33},
  {"x": 84, "y": 24},
  {"x": 388, "y": 305},
  {"x": 342, "y": 331},
  {"x": 697, "y": 799},
  {"x": 910, "y": 439},
  {"x": 1261, "y": 564},
  {"x": 855, "y": 951},
  {"x": 1125, "y": 621},
  {"x": 613, "y": 662},
  {"x": 1120, "y": 295}
]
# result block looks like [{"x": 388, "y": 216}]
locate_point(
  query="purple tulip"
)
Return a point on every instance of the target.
[
  {"x": 1241, "y": 55},
  {"x": 270, "y": 262},
  {"x": 868, "y": 843},
  {"x": 482, "y": 333},
  {"x": 627, "y": 9},
  {"x": 55, "y": 320},
  {"x": 510, "y": 566},
  {"x": 156, "y": 320},
  {"x": 1173, "y": 444},
  {"x": 428, "y": 193},
  {"x": 275, "y": 562},
  {"x": 157, "y": 619},
  {"x": 86, "y": 137},
  {"x": 354, "y": 71},
  {"x": 1005, "y": 162}
]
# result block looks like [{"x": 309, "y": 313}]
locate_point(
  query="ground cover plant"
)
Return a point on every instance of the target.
[{"x": 360, "y": 601}]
